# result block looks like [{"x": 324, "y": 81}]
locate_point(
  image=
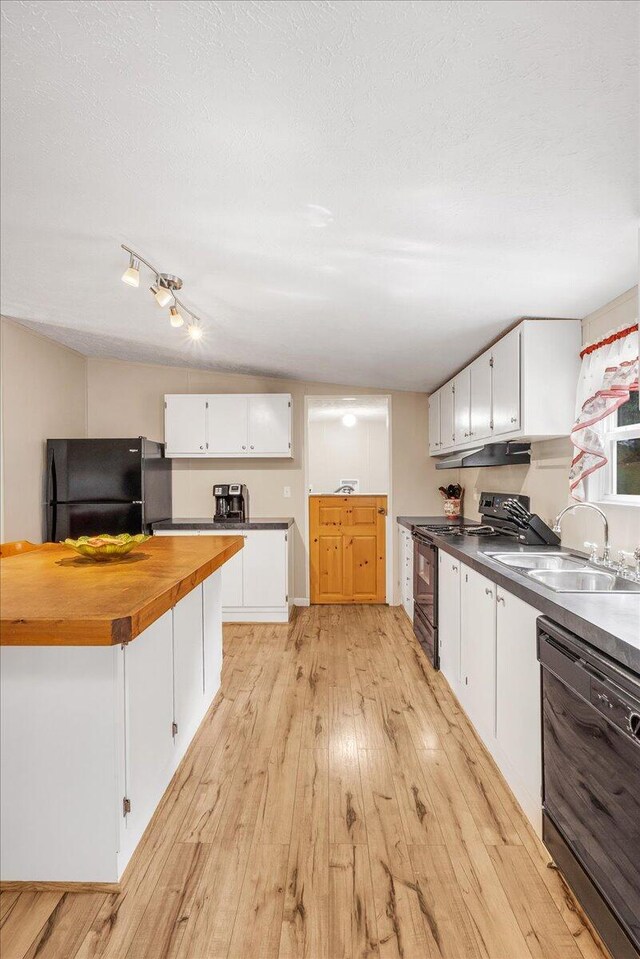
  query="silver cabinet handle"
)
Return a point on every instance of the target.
[
  {"x": 489, "y": 592},
  {"x": 244, "y": 447},
  {"x": 202, "y": 447},
  {"x": 454, "y": 568},
  {"x": 500, "y": 599},
  {"x": 251, "y": 447},
  {"x": 514, "y": 419}
]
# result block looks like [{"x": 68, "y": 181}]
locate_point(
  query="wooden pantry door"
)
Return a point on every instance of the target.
[{"x": 347, "y": 549}]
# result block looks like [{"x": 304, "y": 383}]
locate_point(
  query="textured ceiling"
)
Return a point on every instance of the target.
[{"x": 355, "y": 192}]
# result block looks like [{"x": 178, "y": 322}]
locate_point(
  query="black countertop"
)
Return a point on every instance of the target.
[
  {"x": 280, "y": 522},
  {"x": 610, "y": 622}
]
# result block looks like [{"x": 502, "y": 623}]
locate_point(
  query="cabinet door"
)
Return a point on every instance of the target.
[
  {"x": 462, "y": 407},
  {"x": 478, "y": 652},
  {"x": 270, "y": 424},
  {"x": 228, "y": 424},
  {"x": 518, "y": 701},
  {"x": 231, "y": 573},
  {"x": 265, "y": 568},
  {"x": 434, "y": 423},
  {"x": 149, "y": 746},
  {"x": 480, "y": 405},
  {"x": 447, "y": 423},
  {"x": 188, "y": 666},
  {"x": 212, "y": 631},
  {"x": 185, "y": 430},
  {"x": 449, "y": 618},
  {"x": 406, "y": 574},
  {"x": 506, "y": 384}
]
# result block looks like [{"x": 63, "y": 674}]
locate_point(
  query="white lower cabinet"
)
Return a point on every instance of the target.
[
  {"x": 488, "y": 656},
  {"x": 212, "y": 631},
  {"x": 478, "y": 653},
  {"x": 78, "y": 814},
  {"x": 188, "y": 666},
  {"x": 255, "y": 582},
  {"x": 405, "y": 544},
  {"x": 518, "y": 722},
  {"x": 449, "y": 618},
  {"x": 148, "y": 718}
]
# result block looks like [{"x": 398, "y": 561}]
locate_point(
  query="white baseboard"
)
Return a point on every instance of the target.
[
  {"x": 255, "y": 614},
  {"x": 301, "y": 601}
]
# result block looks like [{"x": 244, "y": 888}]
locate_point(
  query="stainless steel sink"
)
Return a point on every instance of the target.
[
  {"x": 585, "y": 580},
  {"x": 539, "y": 560}
]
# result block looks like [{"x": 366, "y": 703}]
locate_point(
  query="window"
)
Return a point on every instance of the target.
[{"x": 621, "y": 475}]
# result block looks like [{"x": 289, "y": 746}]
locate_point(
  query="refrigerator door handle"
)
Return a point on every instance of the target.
[{"x": 52, "y": 480}]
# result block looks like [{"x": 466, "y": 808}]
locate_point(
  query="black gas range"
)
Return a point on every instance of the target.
[{"x": 494, "y": 521}]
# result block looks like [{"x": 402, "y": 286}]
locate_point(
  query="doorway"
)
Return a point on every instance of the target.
[{"x": 348, "y": 516}]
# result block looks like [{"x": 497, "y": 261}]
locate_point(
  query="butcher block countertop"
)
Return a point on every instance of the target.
[{"x": 53, "y": 597}]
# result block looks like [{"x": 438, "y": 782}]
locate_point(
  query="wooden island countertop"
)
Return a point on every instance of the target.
[{"x": 53, "y": 597}]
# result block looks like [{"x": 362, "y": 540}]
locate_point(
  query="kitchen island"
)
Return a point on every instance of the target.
[{"x": 106, "y": 673}]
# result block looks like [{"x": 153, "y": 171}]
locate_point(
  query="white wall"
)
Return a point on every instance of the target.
[
  {"x": 336, "y": 451},
  {"x": 44, "y": 395}
]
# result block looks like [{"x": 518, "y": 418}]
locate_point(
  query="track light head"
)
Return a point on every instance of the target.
[
  {"x": 131, "y": 275},
  {"x": 175, "y": 317},
  {"x": 162, "y": 295}
]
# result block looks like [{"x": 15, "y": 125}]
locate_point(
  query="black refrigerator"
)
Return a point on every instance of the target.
[{"x": 105, "y": 486}]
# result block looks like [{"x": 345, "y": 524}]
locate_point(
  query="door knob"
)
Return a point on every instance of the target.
[
  {"x": 251, "y": 447},
  {"x": 244, "y": 447}
]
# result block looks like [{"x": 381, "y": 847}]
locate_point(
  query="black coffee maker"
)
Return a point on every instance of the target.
[{"x": 232, "y": 503}]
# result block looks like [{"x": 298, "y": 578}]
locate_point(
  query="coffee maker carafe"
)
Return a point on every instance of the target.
[{"x": 231, "y": 503}]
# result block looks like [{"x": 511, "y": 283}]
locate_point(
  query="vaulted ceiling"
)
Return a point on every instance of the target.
[{"x": 355, "y": 192}]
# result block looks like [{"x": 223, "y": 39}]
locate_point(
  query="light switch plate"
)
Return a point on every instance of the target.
[{"x": 287, "y": 492}]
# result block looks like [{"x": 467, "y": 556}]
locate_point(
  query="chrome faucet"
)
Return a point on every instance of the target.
[{"x": 606, "y": 551}]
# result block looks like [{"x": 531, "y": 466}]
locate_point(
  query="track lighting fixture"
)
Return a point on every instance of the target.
[
  {"x": 164, "y": 291},
  {"x": 131, "y": 275},
  {"x": 175, "y": 317}
]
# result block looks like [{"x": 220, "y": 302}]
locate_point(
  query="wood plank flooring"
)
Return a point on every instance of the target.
[{"x": 335, "y": 804}]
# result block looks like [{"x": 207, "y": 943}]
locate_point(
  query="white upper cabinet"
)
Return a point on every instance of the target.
[
  {"x": 185, "y": 425},
  {"x": 434, "y": 423},
  {"x": 480, "y": 399},
  {"x": 224, "y": 425},
  {"x": 228, "y": 424},
  {"x": 462, "y": 406},
  {"x": 447, "y": 414},
  {"x": 505, "y": 357},
  {"x": 507, "y": 394},
  {"x": 270, "y": 424}
]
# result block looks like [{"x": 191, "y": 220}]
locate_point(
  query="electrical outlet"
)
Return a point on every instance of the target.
[{"x": 287, "y": 492}]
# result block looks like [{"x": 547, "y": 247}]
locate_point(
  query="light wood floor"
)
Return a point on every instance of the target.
[{"x": 335, "y": 803}]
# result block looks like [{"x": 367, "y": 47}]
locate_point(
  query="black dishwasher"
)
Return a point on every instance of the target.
[{"x": 591, "y": 781}]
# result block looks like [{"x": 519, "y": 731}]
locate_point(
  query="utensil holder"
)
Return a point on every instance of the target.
[{"x": 453, "y": 508}]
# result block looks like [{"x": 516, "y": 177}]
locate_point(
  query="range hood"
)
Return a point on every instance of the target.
[{"x": 494, "y": 454}]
